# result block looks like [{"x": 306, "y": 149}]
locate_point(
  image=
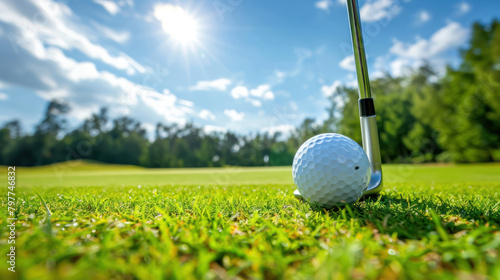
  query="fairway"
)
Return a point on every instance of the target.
[
  {"x": 111, "y": 221},
  {"x": 80, "y": 173}
]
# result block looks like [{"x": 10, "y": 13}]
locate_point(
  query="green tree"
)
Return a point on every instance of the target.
[{"x": 465, "y": 111}]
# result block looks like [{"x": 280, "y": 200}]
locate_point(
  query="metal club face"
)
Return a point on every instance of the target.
[{"x": 369, "y": 131}]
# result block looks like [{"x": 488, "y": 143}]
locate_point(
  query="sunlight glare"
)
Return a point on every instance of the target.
[{"x": 176, "y": 22}]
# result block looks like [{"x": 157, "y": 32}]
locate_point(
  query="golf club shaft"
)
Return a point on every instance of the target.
[
  {"x": 369, "y": 131},
  {"x": 359, "y": 49}
]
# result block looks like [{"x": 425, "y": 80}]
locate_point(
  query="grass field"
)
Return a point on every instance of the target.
[{"x": 111, "y": 221}]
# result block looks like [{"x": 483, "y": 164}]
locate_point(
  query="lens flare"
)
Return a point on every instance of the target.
[{"x": 179, "y": 24}]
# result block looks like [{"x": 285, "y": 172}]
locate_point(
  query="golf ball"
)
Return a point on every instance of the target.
[{"x": 330, "y": 169}]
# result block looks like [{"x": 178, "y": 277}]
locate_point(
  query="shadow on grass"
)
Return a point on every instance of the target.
[{"x": 412, "y": 217}]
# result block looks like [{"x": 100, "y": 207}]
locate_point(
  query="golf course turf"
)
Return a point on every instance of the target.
[{"x": 110, "y": 221}]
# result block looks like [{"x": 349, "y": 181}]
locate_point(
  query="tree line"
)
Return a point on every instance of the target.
[{"x": 422, "y": 117}]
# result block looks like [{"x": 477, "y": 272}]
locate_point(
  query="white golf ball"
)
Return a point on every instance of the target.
[{"x": 330, "y": 169}]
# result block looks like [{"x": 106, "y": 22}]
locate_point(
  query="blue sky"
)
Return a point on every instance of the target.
[{"x": 240, "y": 65}]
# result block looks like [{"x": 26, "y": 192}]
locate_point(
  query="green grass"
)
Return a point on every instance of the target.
[{"x": 429, "y": 222}]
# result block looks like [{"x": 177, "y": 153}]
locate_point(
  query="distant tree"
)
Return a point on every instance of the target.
[
  {"x": 53, "y": 121},
  {"x": 9, "y": 134}
]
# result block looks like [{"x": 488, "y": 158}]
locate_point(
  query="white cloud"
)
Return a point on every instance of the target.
[
  {"x": 284, "y": 129},
  {"x": 240, "y": 92},
  {"x": 323, "y": 5},
  {"x": 280, "y": 74},
  {"x": 206, "y": 115},
  {"x": 380, "y": 67},
  {"x": 123, "y": 3},
  {"x": 352, "y": 83},
  {"x": 119, "y": 111},
  {"x": 449, "y": 37},
  {"x": 423, "y": 16},
  {"x": 255, "y": 102},
  {"x": 113, "y": 7},
  {"x": 219, "y": 85},
  {"x": 374, "y": 10},
  {"x": 331, "y": 93},
  {"x": 150, "y": 130},
  {"x": 302, "y": 55},
  {"x": 463, "y": 8},
  {"x": 233, "y": 115},
  {"x": 85, "y": 88},
  {"x": 404, "y": 56},
  {"x": 330, "y": 90},
  {"x": 186, "y": 103},
  {"x": 278, "y": 77},
  {"x": 209, "y": 129},
  {"x": 164, "y": 104},
  {"x": 3, "y": 96},
  {"x": 117, "y": 36},
  {"x": 263, "y": 91},
  {"x": 110, "y": 6},
  {"x": 400, "y": 67},
  {"x": 58, "y": 30},
  {"x": 348, "y": 63}
]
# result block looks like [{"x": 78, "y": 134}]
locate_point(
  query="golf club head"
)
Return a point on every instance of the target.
[
  {"x": 369, "y": 135},
  {"x": 297, "y": 194}
]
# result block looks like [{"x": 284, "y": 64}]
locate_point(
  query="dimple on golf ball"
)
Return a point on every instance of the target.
[{"x": 330, "y": 169}]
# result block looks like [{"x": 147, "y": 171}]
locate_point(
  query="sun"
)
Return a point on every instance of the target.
[{"x": 176, "y": 22}]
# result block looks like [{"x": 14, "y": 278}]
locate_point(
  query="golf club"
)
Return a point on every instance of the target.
[{"x": 369, "y": 131}]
